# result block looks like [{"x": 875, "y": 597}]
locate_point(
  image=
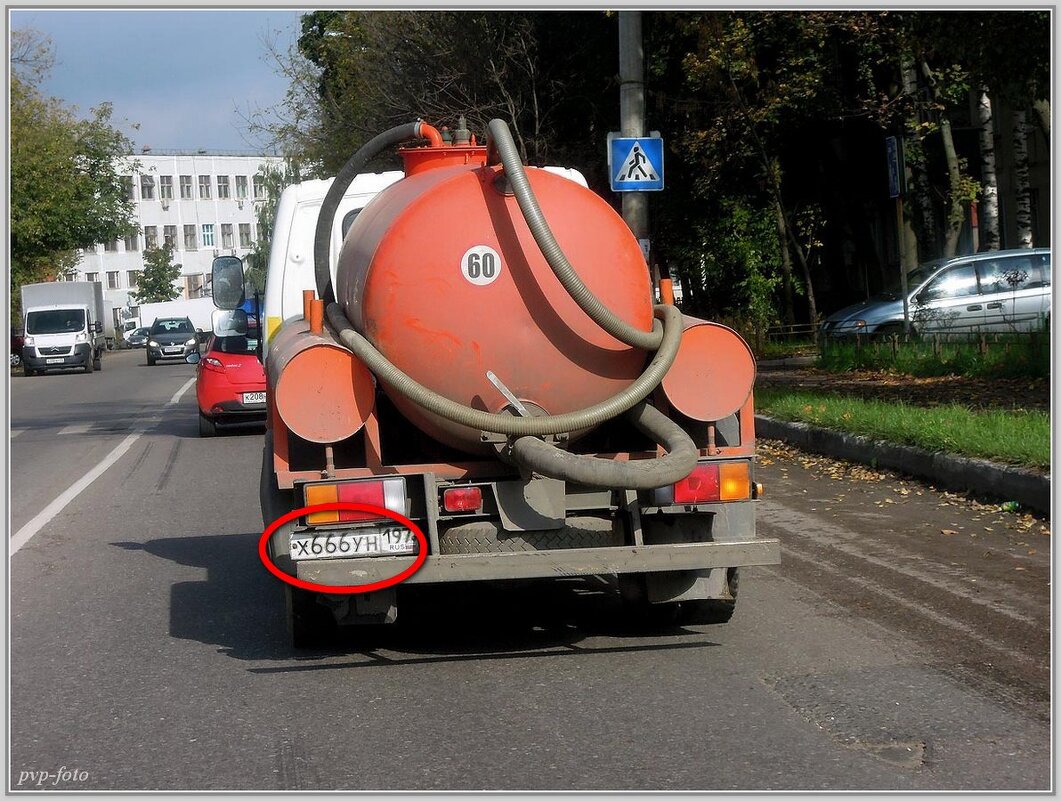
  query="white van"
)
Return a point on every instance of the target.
[{"x": 290, "y": 268}]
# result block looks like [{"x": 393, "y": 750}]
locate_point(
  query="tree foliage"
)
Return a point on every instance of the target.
[
  {"x": 774, "y": 121},
  {"x": 66, "y": 191},
  {"x": 156, "y": 280}
]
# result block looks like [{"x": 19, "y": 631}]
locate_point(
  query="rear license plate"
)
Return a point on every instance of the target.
[
  {"x": 253, "y": 397},
  {"x": 342, "y": 544},
  {"x": 53, "y": 361}
]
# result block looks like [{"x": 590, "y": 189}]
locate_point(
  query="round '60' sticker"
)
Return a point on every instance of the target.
[{"x": 481, "y": 265}]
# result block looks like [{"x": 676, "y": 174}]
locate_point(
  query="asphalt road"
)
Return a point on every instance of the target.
[{"x": 148, "y": 650}]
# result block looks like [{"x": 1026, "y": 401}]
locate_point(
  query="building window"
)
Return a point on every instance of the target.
[
  {"x": 169, "y": 235},
  {"x": 134, "y": 278},
  {"x": 111, "y": 247},
  {"x": 93, "y": 277},
  {"x": 204, "y": 187},
  {"x": 193, "y": 286},
  {"x": 112, "y": 279},
  {"x": 186, "y": 187},
  {"x": 241, "y": 187},
  {"x": 165, "y": 187},
  {"x": 226, "y": 235},
  {"x": 127, "y": 187},
  {"x": 259, "y": 188},
  {"x": 147, "y": 187},
  {"x": 189, "y": 238},
  {"x": 223, "y": 192},
  {"x": 244, "y": 235},
  {"x": 208, "y": 235},
  {"x": 132, "y": 243},
  {"x": 150, "y": 236}
]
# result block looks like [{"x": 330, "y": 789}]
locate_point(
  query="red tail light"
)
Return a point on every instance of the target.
[
  {"x": 210, "y": 363},
  {"x": 462, "y": 499},
  {"x": 709, "y": 482},
  {"x": 700, "y": 486},
  {"x": 388, "y": 493}
]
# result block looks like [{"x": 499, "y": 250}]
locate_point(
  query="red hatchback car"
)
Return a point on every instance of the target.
[{"x": 230, "y": 384}]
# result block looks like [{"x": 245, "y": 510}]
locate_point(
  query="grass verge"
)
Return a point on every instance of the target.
[
  {"x": 995, "y": 356},
  {"x": 1014, "y": 437}
]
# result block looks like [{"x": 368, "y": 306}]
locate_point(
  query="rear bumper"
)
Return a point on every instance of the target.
[{"x": 540, "y": 564}]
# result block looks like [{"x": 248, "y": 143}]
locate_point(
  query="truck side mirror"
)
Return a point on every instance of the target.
[
  {"x": 227, "y": 276},
  {"x": 97, "y": 327}
]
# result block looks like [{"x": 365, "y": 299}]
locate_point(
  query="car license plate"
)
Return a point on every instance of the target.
[
  {"x": 53, "y": 361},
  {"x": 172, "y": 350},
  {"x": 340, "y": 544},
  {"x": 253, "y": 397}
]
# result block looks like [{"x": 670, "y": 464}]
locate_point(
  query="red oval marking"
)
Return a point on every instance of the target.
[{"x": 345, "y": 589}]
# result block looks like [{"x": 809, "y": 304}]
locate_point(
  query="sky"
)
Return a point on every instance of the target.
[{"x": 183, "y": 75}]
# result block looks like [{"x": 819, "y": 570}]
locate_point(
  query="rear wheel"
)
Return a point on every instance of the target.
[
  {"x": 711, "y": 611},
  {"x": 309, "y": 624},
  {"x": 207, "y": 427}
]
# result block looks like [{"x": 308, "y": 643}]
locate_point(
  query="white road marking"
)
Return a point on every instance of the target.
[
  {"x": 74, "y": 428},
  {"x": 16, "y": 431},
  {"x": 46, "y": 515}
]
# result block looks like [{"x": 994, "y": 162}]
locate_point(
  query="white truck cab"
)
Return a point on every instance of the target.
[
  {"x": 290, "y": 269},
  {"x": 64, "y": 326}
]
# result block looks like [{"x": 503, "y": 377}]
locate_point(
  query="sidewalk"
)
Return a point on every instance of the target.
[{"x": 1028, "y": 487}]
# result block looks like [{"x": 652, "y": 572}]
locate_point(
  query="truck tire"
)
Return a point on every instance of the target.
[
  {"x": 309, "y": 624},
  {"x": 29, "y": 371},
  {"x": 207, "y": 428},
  {"x": 97, "y": 363},
  {"x": 712, "y": 611},
  {"x": 89, "y": 365}
]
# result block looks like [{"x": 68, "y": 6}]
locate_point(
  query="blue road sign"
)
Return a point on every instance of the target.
[{"x": 637, "y": 164}]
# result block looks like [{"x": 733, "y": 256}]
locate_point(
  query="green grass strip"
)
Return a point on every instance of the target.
[{"x": 1015, "y": 437}]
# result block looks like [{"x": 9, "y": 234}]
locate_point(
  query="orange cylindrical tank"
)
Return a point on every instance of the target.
[
  {"x": 441, "y": 273},
  {"x": 322, "y": 392}
]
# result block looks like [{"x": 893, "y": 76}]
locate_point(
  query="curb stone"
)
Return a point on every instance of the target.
[{"x": 960, "y": 473}]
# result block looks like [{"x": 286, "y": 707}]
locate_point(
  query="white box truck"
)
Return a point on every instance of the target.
[{"x": 64, "y": 324}]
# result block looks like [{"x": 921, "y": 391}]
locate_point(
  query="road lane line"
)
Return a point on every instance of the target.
[
  {"x": 16, "y": 431},
  {"x": 74, "y": 428},
  {"x": 46, "y": 515}
]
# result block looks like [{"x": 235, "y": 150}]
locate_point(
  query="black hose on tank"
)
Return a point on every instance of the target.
[{"x": 322, "y": 236}]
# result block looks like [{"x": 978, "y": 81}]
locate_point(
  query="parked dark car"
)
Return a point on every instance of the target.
[
  {"x": 137, "y": 338},
  {"x": 171, "y": 338},
  {"x": 17, "y": 341}
]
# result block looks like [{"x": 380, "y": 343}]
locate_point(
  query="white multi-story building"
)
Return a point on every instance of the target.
[{"x": 202, "y": 203}]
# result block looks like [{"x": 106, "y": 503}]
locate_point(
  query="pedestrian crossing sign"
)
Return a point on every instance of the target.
[{"x": 636, "y": 164}]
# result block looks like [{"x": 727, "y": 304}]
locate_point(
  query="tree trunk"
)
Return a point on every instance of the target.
[
  {"x": 955, "y": 208},
  {"x": 989, "y": 233},
  {"x": 922, "y": 195},
  {"x": 1042, "y": 114},
  {"x": 786, "y": 264},
  {"x": 1020, "y": 175}
]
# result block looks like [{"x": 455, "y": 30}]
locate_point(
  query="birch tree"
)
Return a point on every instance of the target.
[
  {"x": 1020, "y": 175},
  {"x": 989, "y": 233}
]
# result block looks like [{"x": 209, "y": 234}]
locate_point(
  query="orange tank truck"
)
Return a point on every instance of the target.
[{"x": 488, "y": 364}]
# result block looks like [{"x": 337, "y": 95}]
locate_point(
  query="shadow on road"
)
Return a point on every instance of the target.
[{"x": 240, "y": 608}]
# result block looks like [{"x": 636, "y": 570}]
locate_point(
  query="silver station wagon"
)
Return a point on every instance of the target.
[{"x": 1002, "y": 291}]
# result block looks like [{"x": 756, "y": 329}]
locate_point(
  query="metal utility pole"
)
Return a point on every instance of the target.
[{"x": 632, "y": 118}]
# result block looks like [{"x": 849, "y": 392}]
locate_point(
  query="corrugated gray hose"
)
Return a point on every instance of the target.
[{"x": 540, "y": 456}]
